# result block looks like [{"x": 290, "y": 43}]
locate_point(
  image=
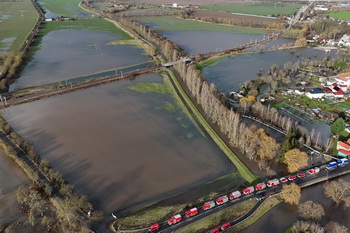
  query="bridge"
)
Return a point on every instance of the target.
[
  {"x": 12, "y": 99},
  {"x": 308, "y": 180}
]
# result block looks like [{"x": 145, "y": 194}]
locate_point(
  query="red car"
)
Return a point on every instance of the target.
[
  {"x": 283, "y": 180},
  {"x": 292, "y": 177},
  {"x": 225, "y": 226},
  {"x": 301, "y": 175},
  {"x": 154, "y": 227},
  {"x": 215, "y": 230},
  {"x": 313, "y": 171}
]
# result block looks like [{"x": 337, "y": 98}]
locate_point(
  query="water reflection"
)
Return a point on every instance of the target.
[
  {"x": 118, "y": 146},
  {"x": 69, "y": 53}
]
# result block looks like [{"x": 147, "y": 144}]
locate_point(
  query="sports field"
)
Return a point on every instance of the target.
[
  {"x": 69, "y": 8},
  {"x": 258, "y": 9},
  {"x": 340, "y": 15},
  {"x": 171, "y": 23},
  {"x": 16, "y": 21}
]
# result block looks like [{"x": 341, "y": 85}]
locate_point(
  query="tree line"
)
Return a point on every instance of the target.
[{"x": 40, "y": 193}]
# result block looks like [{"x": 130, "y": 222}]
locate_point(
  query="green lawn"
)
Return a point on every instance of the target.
[
  {"x": 258, "y": 9},
  {"x": 340, "y": 15},
  {"x": 16, "y": 21},
  {"x": 68, "y": 8},
  {"x": 171, "y": 23}
]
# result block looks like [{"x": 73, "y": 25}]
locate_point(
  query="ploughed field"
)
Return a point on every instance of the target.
[
  {"x": 11, "y": 177},
  {"x": 120, "y": 143}
]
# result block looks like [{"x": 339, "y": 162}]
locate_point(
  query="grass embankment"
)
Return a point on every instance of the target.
[
  {"x": 258, "y": 9},
  {"x": 340, "y": 15},
  {"x": 162, "y": 210},
  {"x": 241, "y": 167},
  {"x": 228, "y": 215},
  {"x": 16, "y": 22},
  {"x": 168, "y": 23},
  {"x": 69, "y": 8},
  {"x": 263, "y": 209}
]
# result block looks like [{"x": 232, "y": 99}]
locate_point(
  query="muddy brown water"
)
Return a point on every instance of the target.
[
  {"x": 70, "y": 53},
  {"x": 283, "y": 216},
  {"x": 11, "y": 177},
  {"x": 117, "y": 146}
]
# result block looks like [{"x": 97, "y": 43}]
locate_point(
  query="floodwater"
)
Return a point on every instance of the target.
[
  {"x": 11, "y": 177},
  {"x": 118, "y": 146},
  {"x": 70, "y": 53},
  {"x": 230, "y": 73},
  {"x": 283, "y": 216},
  {"x": 194, "y": 42}
]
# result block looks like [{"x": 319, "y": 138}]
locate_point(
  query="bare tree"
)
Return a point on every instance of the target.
[
  {"x": 334, "y": 227},
  {"x": 338, "y": 190},
  {"x": 307, "y": 226},
  {"x": 291, "y": 193},
  {"x": 310, "y": 210}
]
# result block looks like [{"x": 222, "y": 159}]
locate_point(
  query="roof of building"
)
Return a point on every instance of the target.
[
  {"x": 345, "y": 152},
  {"x": 316, "y": 91},
  {"x": 344, "y": 145},
  {"x": 339, "y": 92},
  {"x": 348, "y": 141},
  {"x": 327, "y": 90},
  {"x": 344, "y": 75}
]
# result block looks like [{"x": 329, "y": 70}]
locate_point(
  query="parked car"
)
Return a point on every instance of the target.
[
  {"x": 215, "y": 230},
  {"x": 283, "y": 180},
  {"x": 301, "y": 175},
  {"x": 292, "y": 177},
  {"x": 225, "y": 226}
]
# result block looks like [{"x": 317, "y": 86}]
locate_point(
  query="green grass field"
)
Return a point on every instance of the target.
[
  {"x": 258, "y": 9},
  {"x": 171, "y": 23},
  {"x": 98, "y": 24},
  {"x": 68, "y": 8},
  {"x": 16, "y": 21},
  {"x": 340, "y": 15}
]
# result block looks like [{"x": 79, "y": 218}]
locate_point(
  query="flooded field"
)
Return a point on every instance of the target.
[
  {"x": 69, "y": 53},
  {"x": 11, "y": 177},
  {"x": 229, "y": 73},
  {"x": 194, "y": 42},
  {"x": 283, "y": 215},
  {"x": 120, "y": 146}
]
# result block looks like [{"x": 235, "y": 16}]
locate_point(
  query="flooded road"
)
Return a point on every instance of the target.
[
  {"x": 69, "y": 53},
  {"x": 283, "y": 216},
  {"x": 11, "y": 177},
  {"x": 118, "y": 146}
]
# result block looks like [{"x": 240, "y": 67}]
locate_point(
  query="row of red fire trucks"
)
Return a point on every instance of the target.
[{"x": 234, "y": 195}]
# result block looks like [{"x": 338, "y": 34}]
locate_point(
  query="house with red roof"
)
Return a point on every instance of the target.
[
  {"x": 343, "y": 148},
  {"x": 343, "y": 79}
]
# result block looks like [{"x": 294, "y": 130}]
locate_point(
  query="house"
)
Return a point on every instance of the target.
[
  {"x": 345, "y": 40},
  {"x": 343, "y": 79},
  {"x": 299, "y": 92},
  {"x": 328, "y": 92},
  {"x": 315, "y": 93},
  {"x": 343, "y": 148}
]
